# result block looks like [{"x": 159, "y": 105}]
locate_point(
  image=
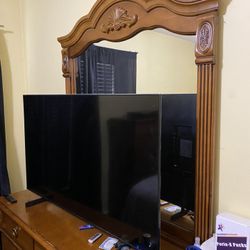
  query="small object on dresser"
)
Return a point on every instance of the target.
[
  {"x": 94, "y": 238},
  {"x": 173, "y": 209},
  {"x": 10, "y": 199},
  {"x": 163, "y": 203},
  {"x": 147, "y": 240},
  {"x": 85, "y": 227},
  {"x": 196, "y": 245},
  {"x": 108, "y": 243},
  {"x": 232, "y": 232},
  {"x": 122, "y": 246}
]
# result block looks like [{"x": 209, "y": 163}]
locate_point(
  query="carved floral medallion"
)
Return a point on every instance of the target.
[
  {"x": 118, "y": 19},
  {"x": 205, "y": 36},
  {"x": 65, "y": 61}
]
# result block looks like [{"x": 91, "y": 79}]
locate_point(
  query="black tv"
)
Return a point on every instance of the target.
[
  {"x": 99, "y": 158},
  {"x": 178, "y": 150}
]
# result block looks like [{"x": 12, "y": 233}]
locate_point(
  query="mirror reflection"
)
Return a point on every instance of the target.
[
  {"x": 159, "y": 61},
  {"x": 155, "y": 61}
]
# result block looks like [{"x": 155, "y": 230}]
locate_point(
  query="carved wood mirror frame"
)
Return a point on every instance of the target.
[{"x": 118, "y": 20}]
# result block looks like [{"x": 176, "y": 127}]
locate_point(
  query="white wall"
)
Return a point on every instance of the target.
[
  {"x": 233, "y": 152},
  {"x": 45, "y": 21}
]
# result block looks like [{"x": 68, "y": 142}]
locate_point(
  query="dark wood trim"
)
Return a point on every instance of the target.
[
  {"x": 118, "y": 20},
  {"x": 44, "y": 243}
]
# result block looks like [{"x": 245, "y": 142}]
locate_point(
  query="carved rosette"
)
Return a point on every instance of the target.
[
  {"x": 118, "y": 19},
  {"x": 204, "y": 38},
  {"x": 65, "y": 63}
]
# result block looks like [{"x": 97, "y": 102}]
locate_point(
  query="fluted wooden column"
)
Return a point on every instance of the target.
[{"x": 205, "y": 141}]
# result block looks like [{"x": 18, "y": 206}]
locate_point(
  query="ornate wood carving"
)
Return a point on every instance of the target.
[
  {"x": 179, "y": 16},
  {"x": 119, "y": 18},
  {"x": 206, "y": 40},
  {"x": 187, "y": 17},
  {"x": 65, "y": 63},
  {"x": 204, "y": 37},
  {"x": 69, "y": 70}
]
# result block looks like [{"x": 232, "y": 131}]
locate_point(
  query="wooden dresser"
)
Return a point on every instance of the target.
[
  {"x": 46, "y": 226},
  {"x": 43, "y": 226}
]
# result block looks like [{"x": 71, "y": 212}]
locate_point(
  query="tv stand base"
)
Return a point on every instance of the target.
[{"x": 35, "y": 202}]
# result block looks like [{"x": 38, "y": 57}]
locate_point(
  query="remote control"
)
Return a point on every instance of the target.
[
  {"x": 10, "y": 199},
  {"x": 95, "y": 237}
]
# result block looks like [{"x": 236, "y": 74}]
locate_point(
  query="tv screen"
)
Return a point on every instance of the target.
[
  {"x": 99, "y": 158},
  {"x": 178, "y": 149}
]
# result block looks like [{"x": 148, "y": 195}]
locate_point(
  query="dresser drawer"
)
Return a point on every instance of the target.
[
  {"x": 38, "y": 246},
  {"x": 7, "y": 244},
  {"x": 16, "y": 233}
]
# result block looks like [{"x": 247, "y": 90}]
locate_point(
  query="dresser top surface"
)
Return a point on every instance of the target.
[{"x": 51, "y": 223}]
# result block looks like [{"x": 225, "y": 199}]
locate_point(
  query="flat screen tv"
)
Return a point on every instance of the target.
[
  {"x": 178, "y": 150},
  {"x": 99, "y": 158}
]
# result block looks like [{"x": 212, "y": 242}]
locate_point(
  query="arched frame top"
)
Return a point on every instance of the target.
[
  {"x": 102, "y": 23},
  {"x": 118, "y": 20}
]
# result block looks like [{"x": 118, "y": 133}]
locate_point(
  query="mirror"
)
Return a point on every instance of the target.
[
  {"x": 166, "y": 68},
  {"x": 119, "y": 20}
]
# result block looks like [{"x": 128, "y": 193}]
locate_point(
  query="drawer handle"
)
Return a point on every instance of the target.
[{"x": 15, "y": 231}]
